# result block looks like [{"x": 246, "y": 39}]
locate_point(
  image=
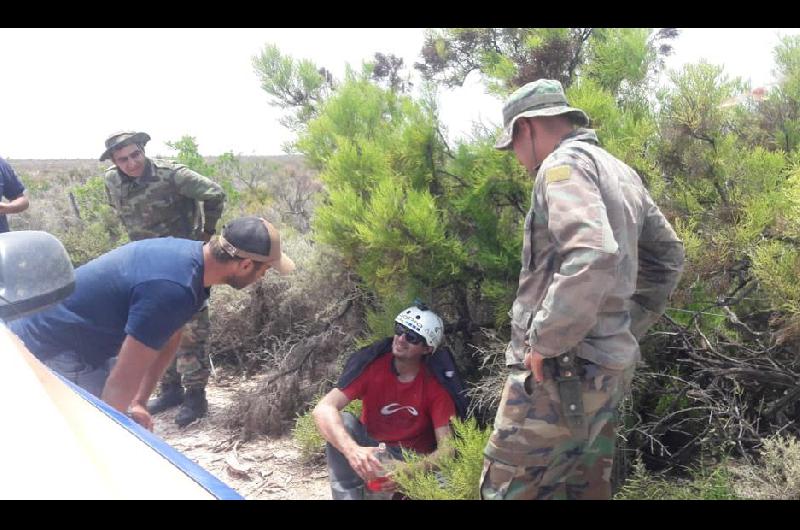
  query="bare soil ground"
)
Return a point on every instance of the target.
[{"x": 261, "y": 468}]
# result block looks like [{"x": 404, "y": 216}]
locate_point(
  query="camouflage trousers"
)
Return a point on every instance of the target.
[
  {"x": 191, "y": 366},
  {"x": 533, "y": 454}
]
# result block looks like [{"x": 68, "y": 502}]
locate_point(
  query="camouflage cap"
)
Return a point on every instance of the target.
[
  {"x": 543, "y": 97},
  {"x": 120, "y": 139}
]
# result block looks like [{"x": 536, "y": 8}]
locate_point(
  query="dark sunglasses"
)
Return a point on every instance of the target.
[{"x": 411, "y": 336}]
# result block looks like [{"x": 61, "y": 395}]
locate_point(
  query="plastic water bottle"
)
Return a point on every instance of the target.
[{"x": 375, "y": 485}]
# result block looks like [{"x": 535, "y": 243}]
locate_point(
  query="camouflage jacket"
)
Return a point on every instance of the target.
[
  {"x": 599, "y": 259},
  {"x": 164, "y": 201}
]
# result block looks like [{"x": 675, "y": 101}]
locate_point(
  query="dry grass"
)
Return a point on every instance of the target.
[
  {"x": 777, "y": 476},
  {"x": 289, "y": 334},
  {"x": 485, "y": 393}
]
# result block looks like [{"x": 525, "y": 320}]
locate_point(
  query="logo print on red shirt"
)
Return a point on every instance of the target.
[{"x": 391, "y": 408}]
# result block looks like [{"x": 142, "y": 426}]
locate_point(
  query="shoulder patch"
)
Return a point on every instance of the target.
[
  {"x": 160, "y": 162},
  {"x": 557, "y": 174}
]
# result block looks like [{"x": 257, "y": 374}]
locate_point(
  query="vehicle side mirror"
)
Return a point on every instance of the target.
[{"x": 35, "y": 272}]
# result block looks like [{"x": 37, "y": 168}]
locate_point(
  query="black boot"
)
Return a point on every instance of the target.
[
  {"x": 194, "y": 406},
  {"x": 171, "y": 395}
]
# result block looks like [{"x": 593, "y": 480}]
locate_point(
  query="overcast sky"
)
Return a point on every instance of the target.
[{"x": 65, "y": 90}]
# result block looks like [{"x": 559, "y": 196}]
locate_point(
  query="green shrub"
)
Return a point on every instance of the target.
[
  {"x": 457, "y": 476},
  {"x": 308, "y": 437},
  {"x": 98, "y": 230},
  {"x": 706, "y": 483}
]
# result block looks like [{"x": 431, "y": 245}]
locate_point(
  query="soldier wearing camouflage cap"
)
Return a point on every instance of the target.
[
  {"x": 599, "y": 261},
  {"x": 158, "y": 198}
]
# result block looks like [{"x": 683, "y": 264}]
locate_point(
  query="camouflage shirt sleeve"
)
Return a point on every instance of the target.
[
  {"x": 200, "y": 188},
  {"x": 567, "y": 193},
  {"x": 661, "y": 257},
  {"x": 108, "y": 182},
  {"x": 109, "y": 201}
]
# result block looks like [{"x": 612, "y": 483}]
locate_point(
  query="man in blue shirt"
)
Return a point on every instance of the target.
[
  {"x": 131, "y": 304},
  {"x": 12, "y": 189}
]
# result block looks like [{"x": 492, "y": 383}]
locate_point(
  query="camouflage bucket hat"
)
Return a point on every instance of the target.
[
  {"x": 123, "y": 138},
  {"x": 543, "y": 97}
]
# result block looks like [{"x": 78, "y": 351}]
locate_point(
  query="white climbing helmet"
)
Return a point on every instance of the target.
[{"x": 423, "y": 321}]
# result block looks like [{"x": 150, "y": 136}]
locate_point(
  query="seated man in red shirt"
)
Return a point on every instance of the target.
[{"x": 408, "y": 402}]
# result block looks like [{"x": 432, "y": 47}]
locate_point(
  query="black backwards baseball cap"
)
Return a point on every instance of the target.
[{"x": 255, "y": 238}]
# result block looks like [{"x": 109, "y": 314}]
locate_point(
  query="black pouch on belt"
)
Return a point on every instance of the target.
[{"x": 568, "y": 381}]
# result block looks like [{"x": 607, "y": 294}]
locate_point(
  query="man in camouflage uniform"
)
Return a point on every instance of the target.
[
  {"x": 599, "y": 261},
  {"x": 156, "y": 198}
]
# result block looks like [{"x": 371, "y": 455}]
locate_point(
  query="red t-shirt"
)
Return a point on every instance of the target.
[{"x": 396, "y": 413}]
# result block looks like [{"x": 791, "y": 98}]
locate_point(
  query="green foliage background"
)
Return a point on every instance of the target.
[
  {"x": 413, "y": 216},
  {"x": 403, "y": 214}
]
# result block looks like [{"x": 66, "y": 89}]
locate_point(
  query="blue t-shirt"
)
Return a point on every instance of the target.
[
  {"x": 147, "y": 289},
  {"x": 10, "y": 188}
]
